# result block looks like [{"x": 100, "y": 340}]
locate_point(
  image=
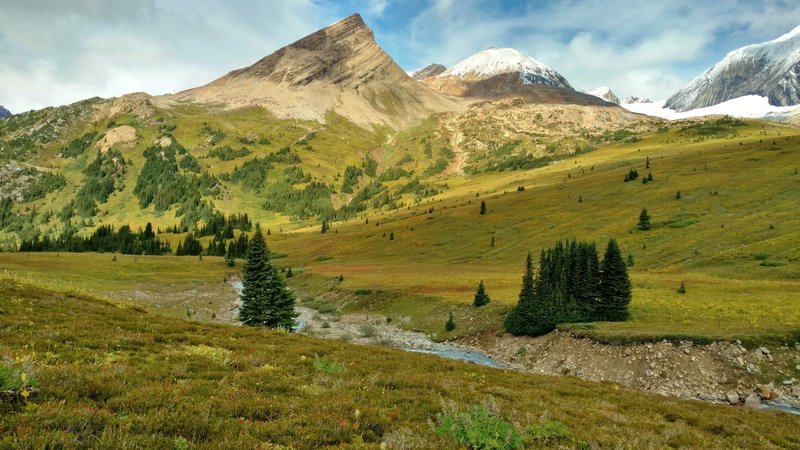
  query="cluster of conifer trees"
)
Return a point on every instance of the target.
[
  {"x": 571, "y": 285},
  {"x": 104, "y": 239}
]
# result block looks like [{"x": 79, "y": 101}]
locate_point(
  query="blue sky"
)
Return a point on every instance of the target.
[{"x": 55, "y": 52}]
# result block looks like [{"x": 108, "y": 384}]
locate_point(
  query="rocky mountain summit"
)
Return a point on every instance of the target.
[
  {"x": 431, "y": 70},
  {"x": 770, "y": 69},
  {"x": 603, "y": 92},
  {"x": 506, "y": 72},
  {"x": 632, "y": 99},
  {"x": 4, "y": 112},
  {"x": 338, "y": 68}
]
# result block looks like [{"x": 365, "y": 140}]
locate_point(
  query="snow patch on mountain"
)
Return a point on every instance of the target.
[
  {"x": 603, "y": 92},
  {"x": 748, "y": 106},
  {"x": 496, "y": 61}
]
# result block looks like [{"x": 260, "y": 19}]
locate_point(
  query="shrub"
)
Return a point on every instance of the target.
[
  {"x": 479, "y": 428},
  {"x": 547, "y": 432},
  {"x": 367, "y": 330},
  {"x": 330, "y": 367}
]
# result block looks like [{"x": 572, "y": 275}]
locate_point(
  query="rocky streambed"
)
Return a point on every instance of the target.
[
  {"x": 375, "y": 330},
  {"x": 722, "y": 372}
]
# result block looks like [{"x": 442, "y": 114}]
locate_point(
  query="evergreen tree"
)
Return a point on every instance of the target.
[
  {"x": 230, "y": 259},
  {"x": 644, "y": 220},
  {"x": 289, "y": 273},
  {"x": 630, "y": 261},
  {"x": 265, "y": 299},
  {"x": 615, "y": 286},
  {"x": 678, "y": 195},
  {"x": 451, "y": 324},
  {"x": 325, "y": 226},
  {"x": 529, "y": 317},
  {"x": 481, "y": 298},
  {"x": 483, "y": 207},
  {"x": 491, "y": 244},
  {"x": 682, "y": 289}
]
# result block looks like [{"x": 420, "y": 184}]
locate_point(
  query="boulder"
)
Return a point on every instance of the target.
[
  {"x": 764, "y": 391},
  {"x": 752, "y": 401},
  {"x": 733, "y": 398}
]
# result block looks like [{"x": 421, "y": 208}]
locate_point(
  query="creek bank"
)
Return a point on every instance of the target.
[
  {"x": 369, "y": 329},
  {"x": 721, "y": 372}
]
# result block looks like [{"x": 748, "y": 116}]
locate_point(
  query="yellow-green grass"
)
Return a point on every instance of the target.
[
  {"x": 115, "y": 377},
  {"x": 732, "y": 237},
  {"x": 171, "y": 285},
  {"x": 740, "y": 206}
]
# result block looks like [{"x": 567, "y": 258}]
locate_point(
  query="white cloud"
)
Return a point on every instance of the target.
[
  {"x": 54, "y": 52},
  {"x": 377, "y": 7},
  {"x": 649, "y": 49}
]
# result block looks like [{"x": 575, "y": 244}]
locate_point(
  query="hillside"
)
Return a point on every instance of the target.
[{"x": 166, "y": 383}]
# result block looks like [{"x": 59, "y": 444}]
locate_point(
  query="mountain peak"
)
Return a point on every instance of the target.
[
  {"x": 339, "y": 68},
  {"x": 603, "y": 92},
  {"x": 768, "y": 69},
  {"x": 4, "y": 112},
  {"x": 503, "y": 60},
  {"x": 344, "y": 53},
  {"x": 430, "y": 70}
]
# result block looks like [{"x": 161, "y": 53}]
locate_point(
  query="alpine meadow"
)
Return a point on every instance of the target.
[{"x": 323, "y": 250}]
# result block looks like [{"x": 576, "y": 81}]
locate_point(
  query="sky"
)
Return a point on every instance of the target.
[{"x": 54, "y": 52}]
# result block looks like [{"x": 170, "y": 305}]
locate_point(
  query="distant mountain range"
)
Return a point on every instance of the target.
[
  {"x": 4, "y": 112},
  {"x": 770, "y": 69}
]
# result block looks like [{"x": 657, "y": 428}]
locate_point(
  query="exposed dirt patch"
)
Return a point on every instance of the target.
[{"x": 124, "y": 134}]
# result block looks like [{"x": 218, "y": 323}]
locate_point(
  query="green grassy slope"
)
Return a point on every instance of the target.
[
  {"x": 732, "y": 237},
  {"x": 115, "y": 377}
]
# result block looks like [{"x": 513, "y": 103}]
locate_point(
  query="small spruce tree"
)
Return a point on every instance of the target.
[
  {"x": 289, "y": 273},
  {"x": 682, "y": 289},
  {"x": 483, "y": 207},
  {"x": 615, "y": 286},
  {"x": 491, "y": 244},
  {"x": 481, "y": 298},
  {"x": 630, "y": 261},
  {"x": 678, "y": 195},
  {"x": 644, "y": 220},
  {"x": 450, "y": 325},
  {"x": 265, "y": 299}
]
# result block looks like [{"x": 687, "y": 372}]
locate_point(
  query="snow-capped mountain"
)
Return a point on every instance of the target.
[
  {"x": 632, "y": 99},
  {"x": 505, "y": 72},
  {"x": 431, "y": 70},
  {"x": 497, "y": 61},
  {"x": 603, "y": 92},
  {"x": 770, "y": 69},
  {"x": 4, "y": 112}
]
